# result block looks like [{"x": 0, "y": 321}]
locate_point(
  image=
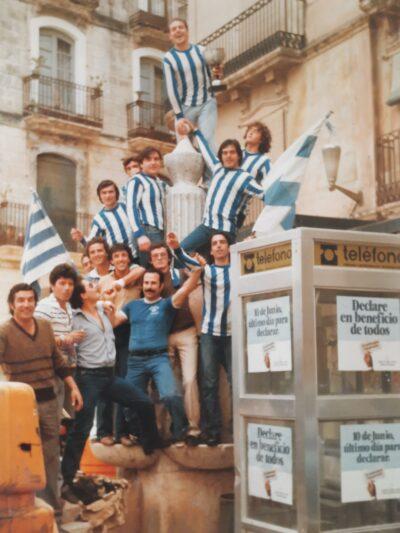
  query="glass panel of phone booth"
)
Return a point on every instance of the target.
[
  {"x": 331, "y": 380},
  {"x": 270, "y": 480},
  {"x": 336, "y": 512},
  {"x": 259, "y": 379}
]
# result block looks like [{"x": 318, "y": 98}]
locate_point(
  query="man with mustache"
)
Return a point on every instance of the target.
[{"x": 151, "y": 319}]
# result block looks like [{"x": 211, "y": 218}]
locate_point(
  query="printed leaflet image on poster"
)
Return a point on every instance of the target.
[
  {"x": 368, "y": 331},
  {"x": 370, "y": 462},
  {"x": 270, "y": 458},
  {"x": 269, "y": 345}
]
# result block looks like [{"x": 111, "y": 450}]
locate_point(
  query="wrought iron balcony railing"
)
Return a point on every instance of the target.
[
  {"x": 63, "y": 99},
  {"x": 388, "y": 165},
  {"x": 264, "y": 27},
  {"x": 146, "y": 119},
  {"x": 14, "y": 219}
]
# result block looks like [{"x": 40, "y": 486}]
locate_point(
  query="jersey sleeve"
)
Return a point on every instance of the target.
[
  {"x": 172, "y": 88},
  {"x": 209, "y": 157},
  {"x": 134, "y": 195}
]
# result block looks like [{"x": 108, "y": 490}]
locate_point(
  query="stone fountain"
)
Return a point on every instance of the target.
[{"x": 177, "y": 490}]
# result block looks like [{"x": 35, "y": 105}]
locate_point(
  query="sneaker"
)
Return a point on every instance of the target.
[
  {"x": 68, "y": 493},
  {"x": 108, "y": 440},
  {"x": 192, "y": 440},
  {"x": 128, "y": 441},
  {"x": 212, "y": 440}
]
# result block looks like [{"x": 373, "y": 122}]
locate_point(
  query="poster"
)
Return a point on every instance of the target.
[
  {"x": 269, "y": 345},
  {"x": 368, "y": 332},
  {"x": 269, "y": 453},
  {"x": 370, "y": 462}
]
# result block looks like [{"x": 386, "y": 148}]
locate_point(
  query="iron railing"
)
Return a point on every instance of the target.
[
  {"x": 63, "y": 99},
  {"x": 259, "y": 30},
  {"x": 14, "y": 219},
  {"x": 388, "y": 165},
  {"x": 146, "y": 119}
]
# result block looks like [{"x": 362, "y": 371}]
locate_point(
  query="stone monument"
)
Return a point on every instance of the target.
[{"x": 185, "y": 201}]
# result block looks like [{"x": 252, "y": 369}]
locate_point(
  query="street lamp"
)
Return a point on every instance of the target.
[{"x": 331, "y": 157}]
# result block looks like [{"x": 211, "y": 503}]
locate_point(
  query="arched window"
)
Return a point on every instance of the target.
[
  {"x": 57, "y": 53},
  {"x": 56, "y": 186}
]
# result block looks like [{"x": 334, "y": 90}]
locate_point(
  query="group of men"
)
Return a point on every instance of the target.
[{"x": 119, "y": 327}]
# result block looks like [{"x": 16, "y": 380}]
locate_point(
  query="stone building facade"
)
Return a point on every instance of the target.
[
  {"x": 288, "y": 62},
  {"x": 81, "y": 88}
]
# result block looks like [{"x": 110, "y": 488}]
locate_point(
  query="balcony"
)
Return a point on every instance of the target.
[
  {"x": 269, "y": 34},
  {"x": 388, "y": 168},
  {"x": 50, "y": 103},
  {"x": 390, "y": 8},
  {"x": 81, "y": 11},
  {"x": 14, "y": 219},
  {"x": 146, "y": 122},
  {"x": 150, "y": 27}
]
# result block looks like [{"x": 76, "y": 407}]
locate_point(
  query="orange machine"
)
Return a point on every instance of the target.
[{"x": 21, "y": 462}]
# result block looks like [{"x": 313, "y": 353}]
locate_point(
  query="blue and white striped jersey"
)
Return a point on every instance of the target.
[
  {"x": 216, "y": 306},
  {"x": 229, "y": 191},
  {"x": 256, "y": 164},
  {"x": 113, "y": 225},
  {"x": 187, "y": 78},
  {"x": 216, "y": 290},
  {"x": 145, "y": 198}
]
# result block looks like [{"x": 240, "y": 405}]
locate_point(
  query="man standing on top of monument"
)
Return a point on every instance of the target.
[{"x": 188, "y": 81}]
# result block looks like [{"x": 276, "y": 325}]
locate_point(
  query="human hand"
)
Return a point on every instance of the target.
[
  {"x": 76, "y": 234},
  {"x": 184, "y": 127},
  {"x": 144, "y": 243},
  {"x": 76, "y": 399},
  {"x": 200, "y": 259},
  {"x": 217, "y": 72},
  {"x": 77, "y": 336},
  {"x": 172, "y": 241}
]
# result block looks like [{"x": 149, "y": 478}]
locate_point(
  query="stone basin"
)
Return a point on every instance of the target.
[{"x": 123, "y": 456}]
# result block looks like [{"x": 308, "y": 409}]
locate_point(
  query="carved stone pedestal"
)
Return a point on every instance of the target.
[
  {"x": 176, "y": 490},
  {"x": 185, "y": 201}
]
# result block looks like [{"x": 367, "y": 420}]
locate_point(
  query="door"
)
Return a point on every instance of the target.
[
  {"x": 56, "y": 89},
  {"x": 153, "y": 94},
  {"x": 56, "y": 186}
]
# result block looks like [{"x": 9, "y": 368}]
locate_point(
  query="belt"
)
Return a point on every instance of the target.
[
  {"x": 147, "y": 353},
  {"x": 98, "y": 370}
]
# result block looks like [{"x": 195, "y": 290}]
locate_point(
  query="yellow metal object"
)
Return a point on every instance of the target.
[{"x": 21, "y": 462}]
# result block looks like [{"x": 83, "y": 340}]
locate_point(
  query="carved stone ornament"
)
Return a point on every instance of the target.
[
  {"x": 184, "y": 164},
  {"x": 387, "y": 7}
]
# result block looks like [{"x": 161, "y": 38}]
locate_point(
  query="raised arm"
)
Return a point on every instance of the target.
[
  {"x": 172, "y": 89},
  {"x": 210, "y": 159},
  {"x": 179, "y": 297},
  {"x": 254, "y": 189},
  {"x": 183, "y": 257}
]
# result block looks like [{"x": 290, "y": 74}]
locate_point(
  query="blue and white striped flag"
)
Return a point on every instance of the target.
[
  {"x": 283, "y": 183},
  {"x": 43, "y": 247}
]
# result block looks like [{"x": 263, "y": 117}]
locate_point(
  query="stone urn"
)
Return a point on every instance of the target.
[{"x": 185, "y": 200}]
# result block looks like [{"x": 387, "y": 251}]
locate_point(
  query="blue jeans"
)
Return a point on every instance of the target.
[
  {"x": 215, "y": 351},
  {"x": 107, "y": 423},
  {"x": 158, "y": 368},
  {"x": 205, "y": 116},
  {"x": 200, "y": 238},
  {"x": 96, "y": 384},
  {"x": 155, "y": 235}
]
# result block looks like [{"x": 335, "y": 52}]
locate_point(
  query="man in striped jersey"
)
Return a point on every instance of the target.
[
  {"x": 111, "y": 222},
  {"x": 256, "y": 160},
  {"x": 145, "y": 197},
  {"x": 188, "y": 81},
  {"x": 216, "y": 340},
  {"x": 230, "y": 189}
]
